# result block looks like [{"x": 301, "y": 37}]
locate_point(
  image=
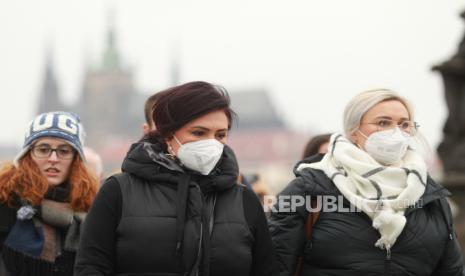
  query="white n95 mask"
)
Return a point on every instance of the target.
[
  {"x": 200, "y": 156},
  {"x": 387, "y": 146}
]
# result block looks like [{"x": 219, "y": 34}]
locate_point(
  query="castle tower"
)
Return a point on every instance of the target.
[
  {"x": 49, "y": 99},
  {"x": 107, "y": 91}
]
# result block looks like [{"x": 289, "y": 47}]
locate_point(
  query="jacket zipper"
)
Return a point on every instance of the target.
[
  {"x": 199, "y": 250},
  {"x": 387, "y": 262},
  {"x": 211, "y": 222}
]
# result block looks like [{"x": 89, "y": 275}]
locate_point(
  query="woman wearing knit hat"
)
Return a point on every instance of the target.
[{"x": 44, "y": 197}]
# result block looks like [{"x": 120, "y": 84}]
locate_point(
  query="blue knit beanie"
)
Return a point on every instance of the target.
[{"x": 59, "y": 124}]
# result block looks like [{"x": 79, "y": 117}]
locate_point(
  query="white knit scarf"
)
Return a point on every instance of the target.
[{"x": 381, "y": 192}]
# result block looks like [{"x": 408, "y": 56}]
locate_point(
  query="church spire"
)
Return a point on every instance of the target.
[
  {"x": 49, "y": 95},
  {"x": 111, "y": 58}
]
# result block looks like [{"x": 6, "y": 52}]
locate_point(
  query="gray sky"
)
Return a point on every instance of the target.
[{"x": 313, "y": 56}]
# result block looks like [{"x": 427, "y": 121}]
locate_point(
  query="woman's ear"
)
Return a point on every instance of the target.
[
  {"x": 354, "y": 137},
  {"x": 145, "y": 128},
  {"x": 169, "y": 140}
]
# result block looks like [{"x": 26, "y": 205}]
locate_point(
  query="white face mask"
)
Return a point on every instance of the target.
[
  {"x": 387, "y": 146},
  {"x": 200, "y": 156}
]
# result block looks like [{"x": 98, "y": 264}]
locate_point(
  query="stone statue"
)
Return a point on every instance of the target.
[{"x": 452, "y": 148}]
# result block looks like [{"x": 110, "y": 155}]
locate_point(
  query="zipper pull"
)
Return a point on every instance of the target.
[{"x": 388, "y": 254}]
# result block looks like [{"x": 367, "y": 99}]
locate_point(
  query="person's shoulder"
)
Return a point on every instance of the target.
[
  {"x": 5, "y": 208},
  {"x": 112, "y": 180},
  {"x": 118, "y": 178},
  {"x": 7, "y": 217},
  {"x": 12, "y": 206},
  {"x": 110, "y": 186},
  {"x": 249, "y": 198},
  {"x": 247, "y": 193},
  {"x": 435, "y": 188},
  {"x": 312, "y": 182}
]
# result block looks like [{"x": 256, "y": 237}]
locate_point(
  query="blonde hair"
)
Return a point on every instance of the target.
[{"x": 362, "y": 102}]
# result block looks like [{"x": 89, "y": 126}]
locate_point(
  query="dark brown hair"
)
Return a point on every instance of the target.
[
  {"x": 181, "y": 104},
  {"x": 313, "y": 146}
]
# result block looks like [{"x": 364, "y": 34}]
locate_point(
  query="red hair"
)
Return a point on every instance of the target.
[{"x": 28, "y": 183}]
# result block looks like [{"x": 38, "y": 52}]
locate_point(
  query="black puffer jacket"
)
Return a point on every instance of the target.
[
  {"x": 158, "y": 219},
  {"x": 343, "y": 243}
]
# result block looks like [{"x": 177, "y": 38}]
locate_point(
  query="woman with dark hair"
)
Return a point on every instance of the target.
[
  {"x": 44, "y": 197},
  {"x": 318, "y": 144},
  {"x": 177, "y": 208}
]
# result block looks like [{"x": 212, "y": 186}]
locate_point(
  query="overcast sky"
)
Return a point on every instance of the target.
[{"x": 312, "y": 56}]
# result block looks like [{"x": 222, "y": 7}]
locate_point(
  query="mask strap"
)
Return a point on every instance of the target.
[
  {"x": 177, "y": 141},
  {"x": 170, "y": 149},
  {"x": 363, "y": 134}
]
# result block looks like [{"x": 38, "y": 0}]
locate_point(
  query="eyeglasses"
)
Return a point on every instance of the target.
[
  {"x": 44, "y": 151},
  {"x": 407, "y": 127}
]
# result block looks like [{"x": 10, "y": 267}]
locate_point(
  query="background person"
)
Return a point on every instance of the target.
[
  {"x": 94, "y": 162},
  {"x": 149, "y": 124},
  {"x": 317, "y": 144}
]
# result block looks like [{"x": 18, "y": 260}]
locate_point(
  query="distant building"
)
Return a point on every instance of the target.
[
  {"x": 256, "y": 110},
  {"x": 109, "y": 106},
  {"x": 262, "y": 137},
  {"x": 49, "y": 99},
  {"x": 111, "y": 110},
  {"x": 262, "y": 141}
]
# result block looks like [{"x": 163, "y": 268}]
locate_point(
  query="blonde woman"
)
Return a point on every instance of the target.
[{"x": 402, "y": 223}]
